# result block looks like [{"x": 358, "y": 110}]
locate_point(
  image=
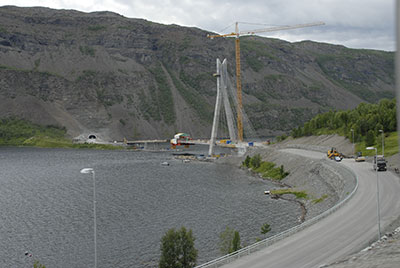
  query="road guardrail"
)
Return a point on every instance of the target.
[{"x": 273, "y": 239}]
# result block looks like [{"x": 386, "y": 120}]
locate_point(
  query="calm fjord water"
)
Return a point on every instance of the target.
[{"x": 46, "y": 206}]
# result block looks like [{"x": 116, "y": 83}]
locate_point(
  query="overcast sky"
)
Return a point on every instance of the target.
[{"x": 352, "y": 23}]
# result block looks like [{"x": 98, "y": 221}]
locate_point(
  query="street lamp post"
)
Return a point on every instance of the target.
[
  {"x": 88, "y": 171},
  {"x": 377, "y": 191},
  {"x": 383, "y": 142},
  {"x": 352, "y": 132}
]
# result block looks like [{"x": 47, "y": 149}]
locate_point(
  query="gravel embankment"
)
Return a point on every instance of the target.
[
  {"x": 384, "y": 253},
  {"x": 319, "y": 178}
]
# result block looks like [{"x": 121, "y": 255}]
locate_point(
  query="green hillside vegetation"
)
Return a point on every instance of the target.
[
  {"x": 17, "y": 132},
  {"x": 366, "y": 120}
]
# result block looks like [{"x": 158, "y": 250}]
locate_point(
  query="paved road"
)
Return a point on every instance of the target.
[{"x": 347, "y": 230}]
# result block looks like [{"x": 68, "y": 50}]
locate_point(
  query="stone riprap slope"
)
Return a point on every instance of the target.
[
  {"x": 384, "y": 253},
  {"x": 319, "y": 178}
]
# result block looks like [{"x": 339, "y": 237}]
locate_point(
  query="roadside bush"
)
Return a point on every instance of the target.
[
  {"x": 229, "y": 241},
  {"x": 255, "y": 161},
  {"x": 246, "y": 162},
  {"x": 266, "y": 228},
  {"x": 37, "y": 264},
  {"x": 281, "y": 138},
  {"x": 297, "y": 193},
  {"x": 236, "y": 242},
  {"x": 266, "y": 169},
  {"x": 177, "y": 249}
]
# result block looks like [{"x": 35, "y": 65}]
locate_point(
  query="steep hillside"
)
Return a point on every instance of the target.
[{"x": 119, "y": 77}]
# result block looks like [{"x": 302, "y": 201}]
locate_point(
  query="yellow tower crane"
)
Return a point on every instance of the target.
[{"x": 237, "y": 34}]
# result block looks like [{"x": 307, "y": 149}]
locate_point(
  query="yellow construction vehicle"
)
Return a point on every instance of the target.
[{"x": 334, "y": 154}]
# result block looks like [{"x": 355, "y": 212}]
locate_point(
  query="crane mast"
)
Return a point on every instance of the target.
[
  {"x": 238, "y": 85},
  {"x": 237, "y": 34}
]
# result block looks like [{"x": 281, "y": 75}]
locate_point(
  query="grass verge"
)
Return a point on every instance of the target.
[{"x": 297, "y": 193}]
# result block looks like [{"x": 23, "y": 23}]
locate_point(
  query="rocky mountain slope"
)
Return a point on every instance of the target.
[{"x": 120, "y": 77}]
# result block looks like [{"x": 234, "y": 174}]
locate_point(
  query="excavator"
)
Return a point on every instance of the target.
[{"x": 334, "y": 154}]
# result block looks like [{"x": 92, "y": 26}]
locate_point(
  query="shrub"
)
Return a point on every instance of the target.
[
  {"x": 297, "y": 193},
  {"x": 246, "y": 162},
  {"x": 266, "y": 169},
  {"x": 225, "y": 240},
  {"x": 255, "y": 161},
  {"x": 37, "y": 264},
  {"x": 265, "y": 228},
  {"x": 281, "y": 138},
  {"x": 236, "y": 242},
  {"x": 229, "y": 241}
]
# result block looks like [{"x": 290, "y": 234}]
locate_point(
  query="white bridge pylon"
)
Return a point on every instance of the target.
[{"x": 222, "y": 95}]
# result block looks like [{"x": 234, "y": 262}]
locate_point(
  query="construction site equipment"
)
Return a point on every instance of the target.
[
  {"x": 333, "y": 153},
  {"x": 360, "y": 157},
  {"x": 237, "y": 34},
  {"x": 181, "y": 139}
]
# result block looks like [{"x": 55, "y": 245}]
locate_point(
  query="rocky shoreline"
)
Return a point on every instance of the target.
[{"x": 324, "y": 184}]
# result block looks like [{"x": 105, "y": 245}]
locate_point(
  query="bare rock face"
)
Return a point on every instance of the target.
[{"x": 120, "y": 77}]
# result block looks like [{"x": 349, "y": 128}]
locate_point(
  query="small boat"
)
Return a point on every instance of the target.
[{"x": 165, "y": 164}]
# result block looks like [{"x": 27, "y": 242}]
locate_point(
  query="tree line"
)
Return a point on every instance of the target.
[{"x": 364, "y": 122}]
